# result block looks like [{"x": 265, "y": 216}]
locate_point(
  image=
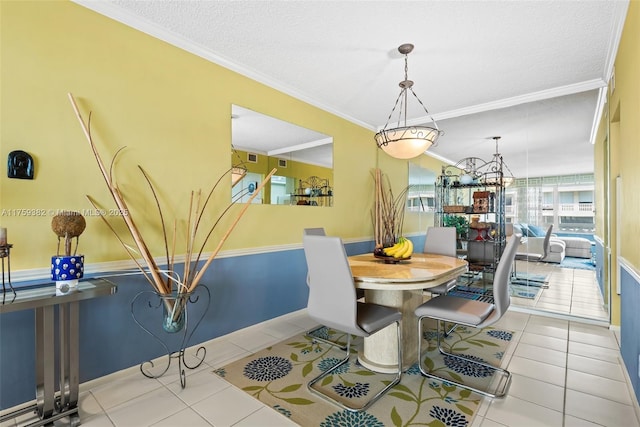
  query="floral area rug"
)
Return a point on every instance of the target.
[
  {"x": 526, "y": 285},
  {"x": 278, "y": 377}
]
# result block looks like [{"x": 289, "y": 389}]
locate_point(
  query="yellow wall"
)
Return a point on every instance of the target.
[
  {"x": 294, "y": 169},
  {"x": 171, "y": 110},
  {"x": 622, "y": 126}
]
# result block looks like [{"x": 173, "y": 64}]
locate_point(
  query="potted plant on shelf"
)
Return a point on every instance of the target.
[
  {"x": 460, "y": 223},
  {"x": 67, "y": 269}
]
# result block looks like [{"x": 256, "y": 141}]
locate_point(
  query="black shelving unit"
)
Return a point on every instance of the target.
[{"x": 475, "y": 188}]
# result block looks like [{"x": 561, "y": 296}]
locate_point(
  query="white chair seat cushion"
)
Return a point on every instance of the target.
[
  {"x": 455, "y": 309},
  {"x": 373, "y": 317}
]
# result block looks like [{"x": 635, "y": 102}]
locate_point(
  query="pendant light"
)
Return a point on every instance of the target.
[{"x": 402, "y": 141}]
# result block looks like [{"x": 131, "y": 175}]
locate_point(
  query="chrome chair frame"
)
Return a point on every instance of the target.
[
  {"x": 319, "y": 231},
  {"x": 442, "y": 241},
  {"x": 522, "y": 256},
  {"x": 332, "y": 302},
  {"x": 346, "y": 359},
  {"x": 502, "y": 300}
]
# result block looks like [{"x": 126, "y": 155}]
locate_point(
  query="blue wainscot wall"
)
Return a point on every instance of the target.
[
  {"x": 245, "y": 290},
  {"x": 630, "y": 321}
]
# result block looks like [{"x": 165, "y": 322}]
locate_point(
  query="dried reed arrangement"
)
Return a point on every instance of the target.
[
  {"x": 165, "y": 281},
  {"x": 388, "y": 211}
]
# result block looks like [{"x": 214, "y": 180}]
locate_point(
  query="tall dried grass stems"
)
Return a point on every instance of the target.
[
  {"x": 388, "y": 211},
  {"x": 165, "y": 281}
]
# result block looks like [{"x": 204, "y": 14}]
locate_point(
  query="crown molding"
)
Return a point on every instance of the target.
[
  {"x": 116, "y": 13},
  {"x": 595, "y": 124},
  {"x": 620, "y": 12},
  {"x": 513, "y": 101}
]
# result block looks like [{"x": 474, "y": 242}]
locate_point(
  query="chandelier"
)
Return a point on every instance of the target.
[
  {"x": 475, "y": 170},
  {"x": 402, "y": 141}
]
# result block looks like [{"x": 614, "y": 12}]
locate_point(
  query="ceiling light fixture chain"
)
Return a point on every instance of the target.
[{"x": 406, "y": 142}]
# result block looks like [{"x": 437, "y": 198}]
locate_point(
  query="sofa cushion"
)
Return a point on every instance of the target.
[
  {"x": 536, "y": 231},
  {"x": 524, "y": 228},
  {"x": 517, "y": 229}
]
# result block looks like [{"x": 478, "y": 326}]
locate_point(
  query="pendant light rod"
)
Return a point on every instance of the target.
[{"x": 406, "y": 142}]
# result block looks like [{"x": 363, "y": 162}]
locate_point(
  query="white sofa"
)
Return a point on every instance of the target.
[
  {"x": 578, "y": 247},
  {"x": 534, "y": 245}
]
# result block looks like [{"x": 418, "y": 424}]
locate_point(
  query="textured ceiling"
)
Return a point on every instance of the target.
[{"x": 529, "y": 71}]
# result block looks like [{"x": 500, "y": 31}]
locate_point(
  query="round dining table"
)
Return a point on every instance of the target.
[{"x": 399, "y": 285}]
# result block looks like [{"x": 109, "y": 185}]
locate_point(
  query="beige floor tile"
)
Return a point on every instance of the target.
[
  {"x": 147, "y": 409},
  {"x": 198, "y": 387},
  {"x": 265, "y": 417},
  {"x": 554, "y": 308},
  {"x": 597, "y": 340},
  {"x": 544, "y": 341},
  {"x": 487, "y": 423},
  {"x": 600, "y": 411},
  {"x": 537, "y": 370},
  {"x": 512, "y": 411},
  {"x": 541, "y": 354},
  {"x": 186, "y": 417},
  {"x": 539, "y": 392},
  {"x": 598, "y": 386},
  {"x": 571, "y": 421},
  {"x": 597, "y": 367},
  {"x": 227, "y": 407},
  {"x": 588, "y": 350},
  {"x": 124, "y": 389}
]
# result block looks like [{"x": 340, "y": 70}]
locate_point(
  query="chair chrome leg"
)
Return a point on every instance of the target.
[
  {"x": 500, "y": 386},
  {"x": 447, "y": 333},
  {"x": 377, "y": 396},
  {"x": 514, "y": 274},
  {"x": 310, "y": 332}
]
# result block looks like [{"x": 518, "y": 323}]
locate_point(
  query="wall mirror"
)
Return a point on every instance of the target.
[
  {"x": 421, "y": 193},
  {"x": 303, "y": 157}
]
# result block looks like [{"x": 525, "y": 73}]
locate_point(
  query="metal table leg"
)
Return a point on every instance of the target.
[{"x": 45, "y": 364}]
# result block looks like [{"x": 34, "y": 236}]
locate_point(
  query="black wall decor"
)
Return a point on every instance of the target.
[{"x": 20, "y": 165}]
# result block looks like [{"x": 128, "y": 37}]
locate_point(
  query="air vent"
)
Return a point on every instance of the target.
[
  {"x": 282, "y": 163},
  {"x": 252, "y": 157}
]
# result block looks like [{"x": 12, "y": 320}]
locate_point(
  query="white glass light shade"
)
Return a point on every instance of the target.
[{"x": 406, "y": 142}]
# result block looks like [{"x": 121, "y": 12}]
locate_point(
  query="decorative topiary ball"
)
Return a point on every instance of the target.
[{"x": 68, "y": 224}]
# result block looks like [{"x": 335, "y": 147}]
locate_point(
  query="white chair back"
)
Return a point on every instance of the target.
[
  {"x": 501, "y": 277},
  {"x": 332, "y": 293},
  {"x": 441, "y": 241}
]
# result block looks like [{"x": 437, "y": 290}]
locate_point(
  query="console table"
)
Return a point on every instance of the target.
[{"x": 43, "y": 300}]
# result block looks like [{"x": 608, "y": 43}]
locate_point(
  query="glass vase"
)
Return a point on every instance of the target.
[{"x": 174, "y": 311}]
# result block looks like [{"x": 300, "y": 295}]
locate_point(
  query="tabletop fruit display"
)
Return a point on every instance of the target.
[{"x": 401, "y": 250}]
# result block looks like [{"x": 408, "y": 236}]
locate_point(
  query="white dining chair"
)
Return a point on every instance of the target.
[
  {"x": 314, "y": 333},
  {"x": 476, "y": 314},
  {"x": 441, "y": 241},
  {"x": 332, "y": 302}
]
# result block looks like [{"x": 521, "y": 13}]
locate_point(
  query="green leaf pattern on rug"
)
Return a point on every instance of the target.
[{"x": 278, "y": 376}]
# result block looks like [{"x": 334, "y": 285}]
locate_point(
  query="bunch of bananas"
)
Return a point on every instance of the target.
[{"x": 402, "y": 249}]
